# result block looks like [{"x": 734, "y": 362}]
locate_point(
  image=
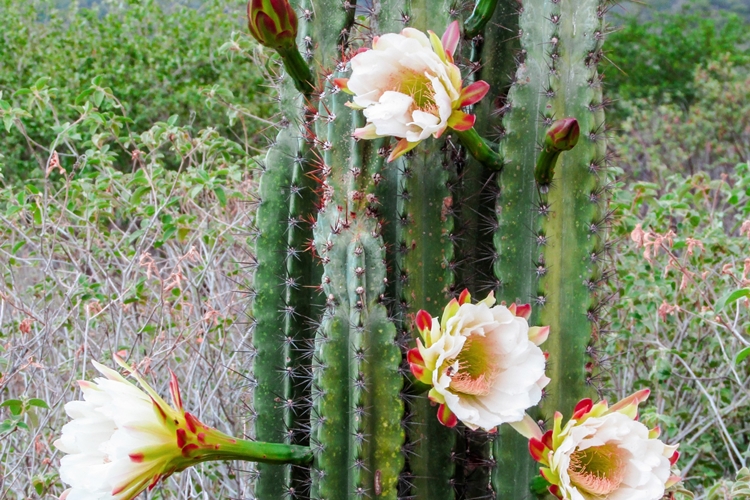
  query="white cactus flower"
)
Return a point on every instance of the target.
[
  {"x": 482, "y": 360},
  {"x": 409, "y": 88},
  {"x": 122, "y": 440},
  {"x": 604, "y": 452}
]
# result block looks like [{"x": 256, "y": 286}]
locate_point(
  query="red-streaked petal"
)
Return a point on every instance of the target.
[
  {"x": 461, "y": 121},
  {"x": 401, "y": 149},
  {"x": 451, "y": 37},
  {"x": 465, "y": 297},
  {"x": 547, "y": 439},
  {"x": 414, "y": 357},
  {"x": 446, "y": 416},
  {"x": 672, "y": 481},
  {"x": 582, "y": 408},
  {"x": 343, "y": 84},
  {"x": 538, "y": 335},
  {"x": 673, "y": 459},
  {"x": 537, "y": 449},
  {"x": 523, "y": 311},
  {"x": 555, "y": 490},
  {"x": 630, "y": 403},
  {"x": 424, "y": 321},
  {"x": 512, "y": 308},
  {"x": 473, "y": 93},
  {"x": 174, "y": 389}
]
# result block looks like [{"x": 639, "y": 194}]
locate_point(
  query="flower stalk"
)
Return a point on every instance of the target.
[
  {"x": 479, "y": 18},
  {"x": 481, "y": 149}
]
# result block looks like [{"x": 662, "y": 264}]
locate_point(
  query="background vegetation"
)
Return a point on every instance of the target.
[{"x": 138, "y": 242}]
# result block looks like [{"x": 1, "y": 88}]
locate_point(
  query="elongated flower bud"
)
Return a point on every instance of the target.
[
  {"x": 273, "y": 23},
  {"x": 562, "y": 135}
]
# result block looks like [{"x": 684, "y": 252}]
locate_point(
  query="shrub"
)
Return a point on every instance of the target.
[
  {"x": 159, "y": 60},
  {"x": 681, "y": 317}
]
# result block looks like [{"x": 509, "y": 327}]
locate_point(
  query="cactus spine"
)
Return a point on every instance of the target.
[{"x": 392, "y": 238}]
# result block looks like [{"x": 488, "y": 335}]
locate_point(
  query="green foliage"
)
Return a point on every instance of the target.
[
  {"x": 679, "y": 323},
  {"x": 147, "y": 263},
  {"x": 712, "y": 136},
  {"x": 658, "y": 58},
  {"x": 728, "y": 490},
  {"x": 159, "y": 60}
]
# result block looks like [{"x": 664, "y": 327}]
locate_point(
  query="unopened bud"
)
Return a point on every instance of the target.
[
  {"x": 562, "y": 135},
  {"x": 273, "y": 23}
]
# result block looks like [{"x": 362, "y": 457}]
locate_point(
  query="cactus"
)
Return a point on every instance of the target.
[{"x": 350, "y": 246}]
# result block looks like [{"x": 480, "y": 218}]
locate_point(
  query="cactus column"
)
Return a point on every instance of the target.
[{"x": 393, "y": 238}]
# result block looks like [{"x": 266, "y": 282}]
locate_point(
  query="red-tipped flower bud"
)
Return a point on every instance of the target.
[
  {"x": 563, "y": 135},
  {"x": 273, "y": 23}
]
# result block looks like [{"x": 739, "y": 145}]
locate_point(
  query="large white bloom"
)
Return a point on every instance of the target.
[
  {"x": 605, "y": 453},
  {"x": 122, "y": 440},
  {"x": 483, "y": 362},
  {"x": 409, "y": 87}
]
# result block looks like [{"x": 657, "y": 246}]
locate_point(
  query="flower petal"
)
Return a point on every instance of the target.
[
  {"x": 473, "y": 93},
  {"x": 538, "y": 334},
  {"x": 451, "y": 37},
  {"x": 367, "y": 132},
  {"x": 401, "y": 149},
  {"x": 461, "y": 121},
  {"x": 446, "y": 416}
]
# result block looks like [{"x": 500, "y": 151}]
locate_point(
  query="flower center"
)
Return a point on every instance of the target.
[
  {"x": 599, "y": 470},
  {"x": 419, "y": 88},
  {"x": 476, "y": 371}
]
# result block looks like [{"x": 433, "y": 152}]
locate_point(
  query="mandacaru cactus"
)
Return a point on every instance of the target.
[{"x": 358, "y": 232}]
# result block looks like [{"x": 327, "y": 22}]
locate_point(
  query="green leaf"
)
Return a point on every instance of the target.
[
  {"x": 39, "y": 403},
  {"x": 14, "y": 405},
  {"x": 98, "y": 98},
  {"x": 37, "y": 215},
  {"x": 744, "y": 353},
  {"x": 221, "y": 195},
  {"x": 138, "y": 194},
  {"x": 731, "y": 298}
]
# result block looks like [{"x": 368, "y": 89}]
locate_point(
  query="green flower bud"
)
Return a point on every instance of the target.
[{"x": 273, "y": 23}]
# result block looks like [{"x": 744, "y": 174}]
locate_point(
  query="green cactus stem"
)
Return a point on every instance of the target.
[
  {"x": 526, "y": 114},
  {"x": 576, "y": 225},
  {"x": 492, "y": 214},
  {"x": 479, "y": 18}
]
